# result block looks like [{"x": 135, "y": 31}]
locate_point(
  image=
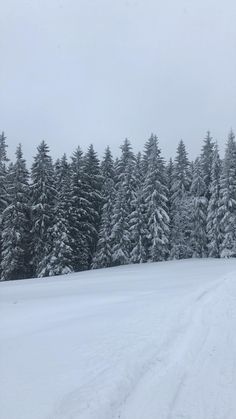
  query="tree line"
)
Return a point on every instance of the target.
[{"x": 81, "y": 213}]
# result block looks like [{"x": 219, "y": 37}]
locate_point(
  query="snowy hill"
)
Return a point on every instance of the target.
[{"x": 134, "y": 342}]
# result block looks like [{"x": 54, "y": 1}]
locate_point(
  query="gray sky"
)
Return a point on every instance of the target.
[{"x": 80, "y": 71}]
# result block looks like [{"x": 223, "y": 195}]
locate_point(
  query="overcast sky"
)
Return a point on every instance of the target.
[{"x": 80, "y": 71}]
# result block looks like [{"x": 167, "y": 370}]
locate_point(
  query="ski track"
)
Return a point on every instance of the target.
[
  {"x": 169, "y": 363},
  {"x": 177, "y": 372}
]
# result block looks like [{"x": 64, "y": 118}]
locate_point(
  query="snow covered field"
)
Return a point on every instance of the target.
[{"x": 154, "y": 341}]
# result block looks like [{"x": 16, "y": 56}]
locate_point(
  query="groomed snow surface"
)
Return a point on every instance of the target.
[{"x": 155, "y": 341}]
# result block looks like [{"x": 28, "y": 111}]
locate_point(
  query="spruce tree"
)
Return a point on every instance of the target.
[
  {"x": 93, "y": 180},
  {"x": 170, "y": 181},
  {"x": 103, "y": 255},
  {"x": 3, "y": 171},
  {"x": 213, "y": 213},
  {"x": 16, "y": 222},
  {"x": 156, "y": 202},
  {"x": 120, "y": 231},
  {"x": 227, "y": 210},
  {"x": 138, "y": 222},
  {"x": 43, "y": 196},
  {"x": 206, "y": 162},
  {"x": 199, "y": 213},
  {"x": 60, "y": 258},
  {"x": 80, "y": 223},
  {"x": 180, "y": 206},
  {"x": 123, "y": 207},
  {"x": 3, "y": 174}
]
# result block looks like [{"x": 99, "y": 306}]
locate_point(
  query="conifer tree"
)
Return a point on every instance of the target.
[
  {"x": 81, "y": 224},
  {"x": 199, "y": 213},
  {"x": 16, "y": 222},
  {"x": 180, "y": 206},
  {"x": 123, "y": 207},
  {"x": 170, "y": 181},
  {"x": 138, "y": 222},
  {"x": 43, "y": 196},
  {"x": 60, "y": 258},
  {"x": 3, "y": 173},
  {"x": 206, "y": 162},
  {"x": 227, "y": 210},
  {"x": 93, "y": 179},
  {"x": 156, "y": 202},
  {"x": 213, "y": 213},
  {"x": 120, "y": 231},
  {"x": 103, "y": 255}
]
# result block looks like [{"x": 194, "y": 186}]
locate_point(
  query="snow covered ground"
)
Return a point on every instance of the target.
[{"x": 154, "y": 341}]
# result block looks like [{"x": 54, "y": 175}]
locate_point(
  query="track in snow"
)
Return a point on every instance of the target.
[
  {"x": 152, "y": 341},
  {"x": 192, "y": 378}
]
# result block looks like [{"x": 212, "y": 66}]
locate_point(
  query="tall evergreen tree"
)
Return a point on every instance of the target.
[
  {"x": 123, "y": 206},
  {"x": 60, "y": 258},
  {"x": 138, "y": 222},
  {"x": 156, "y": 202},
  {"x": 227, "y": 210},
  {"x": 206, "y": 162},
  {"x": 170, "y": 181},
  {"x": 16, "y": 222},
  {"x": 213, "y": 213},
  {"x": 43, "y": 208},
  {"x": 120, "y": 231},
  {"x": 103, "y": 255},
  {"x": 93, "y": 178},
  {"x": 199, "y": 213},
  {"x": 3, "y": 173},
  {"x": 180, "y": 206},
  {"x": 81, "y": 221}
]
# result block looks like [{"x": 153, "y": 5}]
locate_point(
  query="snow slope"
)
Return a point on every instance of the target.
[{"x": 153, "y": 341}]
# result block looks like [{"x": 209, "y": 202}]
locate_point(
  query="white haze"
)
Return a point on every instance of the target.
[{"x": 80, "y": 71}]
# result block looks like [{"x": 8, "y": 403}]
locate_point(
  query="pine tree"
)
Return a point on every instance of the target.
[
  {"x": 199, "y": 213},
  {"x": 138, "y": 220},
  {"x": 227, "y": 210},
  {"x": 213, "y": 213},
  {"x": 103, "y": 256},
  {"x": 180, "y": 206},
  {"x": 123, "y": 207},
  {"x": 156, "y": 202},
  {"x": 16, "y": 222},
  {"x": 206, "y": 162},
  {"x": 81, "y": 224},
  {"x": 93, "y": 179},
  {"x": 43, "y": 209},
  {"x": 3, "y": 174},
  {"x": 60, "y": 258},
  {"x": 170, "y": 181},
  {"x": 3, "y": 171},
  {"x": 120, "y": 231}
]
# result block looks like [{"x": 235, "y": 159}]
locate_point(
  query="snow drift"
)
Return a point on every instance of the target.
[{"x": 134, "y": 342}]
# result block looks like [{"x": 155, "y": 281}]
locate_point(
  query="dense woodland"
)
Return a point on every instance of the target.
[{"x": 79, "y": 213}]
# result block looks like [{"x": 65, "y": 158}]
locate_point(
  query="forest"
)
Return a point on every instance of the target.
[{"x": 81, "y": 213}]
